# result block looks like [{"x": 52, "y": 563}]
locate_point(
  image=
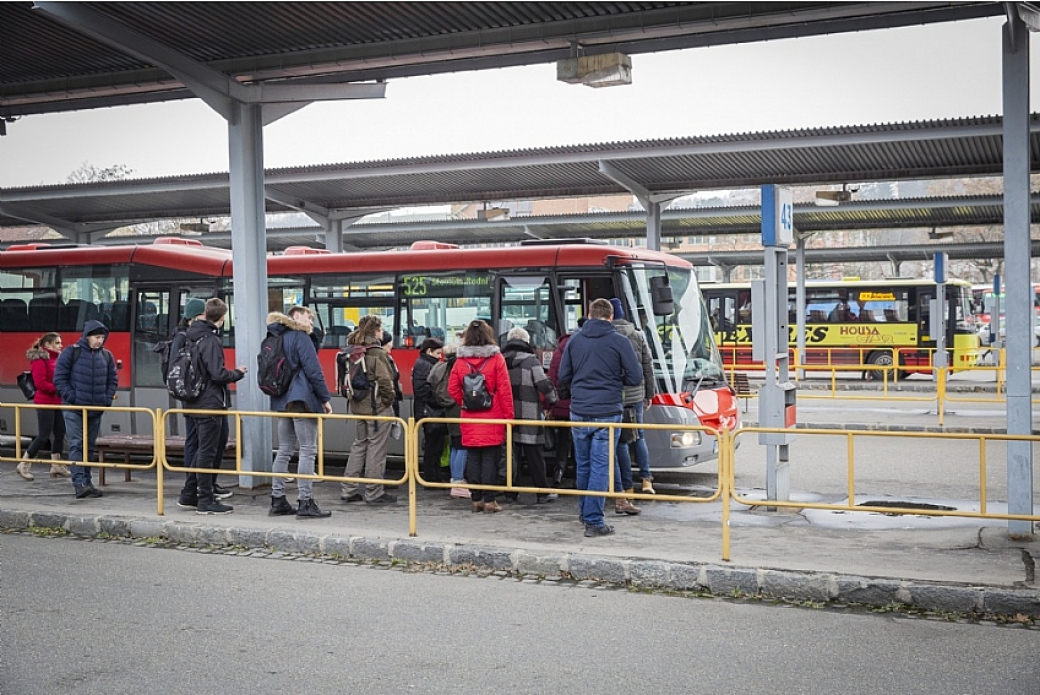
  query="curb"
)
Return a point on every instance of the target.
[{"x": 638, "y": 573}]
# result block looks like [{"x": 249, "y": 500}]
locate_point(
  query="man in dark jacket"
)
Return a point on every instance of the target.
[
  {"x": 194, "y": 309},
  {"x": 597, "y": 364},
  {"x": 85, "y": 375},
  {"x": 211, "y": 431},
  {"x": 307, "y": 393},
  {"x": 425, "y": 405}
]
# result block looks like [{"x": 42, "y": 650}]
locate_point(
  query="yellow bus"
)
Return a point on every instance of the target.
[{"x": 854, "y": 322}]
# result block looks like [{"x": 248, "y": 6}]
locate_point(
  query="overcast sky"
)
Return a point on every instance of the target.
[{"x": 918, "y": 73}]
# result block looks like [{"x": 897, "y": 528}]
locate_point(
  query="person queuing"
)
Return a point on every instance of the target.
[
  {"x": 85, "y": 375},
  {"x": 632, "y": 443},
  {"x": 50, "y": 424},
  {"x": 438, "y": 381},
  {"x": 483, "y": 443},
  {"x": 425, "y": 405},
  {"x": 530, "y": 387},
  {"x": 561, "y": 410},
  {"x": 194, "y": 310},
  {"x": 597, "y": 364},
  {"x": 387, "y": 343},
  {"x": 211, "y": 431},
  {"x": 368, "y": 453},
  {"x": 307, "y": 393}
]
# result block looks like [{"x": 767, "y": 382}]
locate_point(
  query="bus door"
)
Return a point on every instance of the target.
[
  {"x": 527, "y": 301},
  {"x": 722, "y": 312}
]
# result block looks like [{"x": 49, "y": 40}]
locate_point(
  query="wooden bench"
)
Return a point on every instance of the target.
[
  {"x": 139, "y": 445},
  {"x": 738, "y": 381}
]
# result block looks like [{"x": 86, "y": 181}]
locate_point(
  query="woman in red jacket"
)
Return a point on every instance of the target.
[
  {"x": 483, "y": 442},
  {"x": 50, "y": 423}
]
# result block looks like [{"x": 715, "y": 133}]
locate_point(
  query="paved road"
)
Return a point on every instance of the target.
[{"x": 96, "y": 617}]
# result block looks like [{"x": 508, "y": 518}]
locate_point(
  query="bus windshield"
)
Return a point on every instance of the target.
[{"x": 681, "y": 343}]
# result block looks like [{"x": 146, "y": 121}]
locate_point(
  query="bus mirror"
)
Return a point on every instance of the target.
[{"x": 661, "y": 296}]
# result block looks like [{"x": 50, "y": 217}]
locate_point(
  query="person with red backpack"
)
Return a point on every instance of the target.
[{"x": 480, "y": 364}]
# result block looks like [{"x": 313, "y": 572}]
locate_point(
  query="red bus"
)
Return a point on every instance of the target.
[{"x": 432, "y": 289}]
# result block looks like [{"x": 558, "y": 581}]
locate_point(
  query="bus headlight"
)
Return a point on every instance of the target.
[{"x": 684, "y": 440}]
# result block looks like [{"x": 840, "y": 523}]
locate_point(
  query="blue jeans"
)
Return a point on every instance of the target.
[
  {"x": 74, "y": 431},
  {"x": 623, "y": 469},
  {"x": 592, "y": 456},
  {"x": 457, "y": 460}
]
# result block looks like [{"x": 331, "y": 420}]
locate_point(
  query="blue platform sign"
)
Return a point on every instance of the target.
[{"x": 777, "y": 215}]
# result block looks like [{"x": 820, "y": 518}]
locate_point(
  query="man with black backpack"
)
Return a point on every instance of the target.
[
  {"x": 211, "y": 431},
  {"x": 305, "y": 393}
]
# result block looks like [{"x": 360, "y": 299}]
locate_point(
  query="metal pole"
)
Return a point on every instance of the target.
[
  {"x": 248, "y": 249},
  {"x": 1016, "y": 268}
]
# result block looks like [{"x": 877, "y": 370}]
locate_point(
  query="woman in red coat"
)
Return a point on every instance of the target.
[
  {"x": 483, "y": 442},
  {"x": 50, "y": 423}
]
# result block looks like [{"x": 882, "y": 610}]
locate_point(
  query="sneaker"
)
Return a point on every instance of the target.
[
  {"x": 594, "y": 531},
  {"x": 354, "y": 497},
  {"x": 280, "y": 507},
  {"x": 309, "y": 510},
  {"x": 214, "y": 507},
  {"x": 221, "y": 493},
  {"x": 547, "y": 499},
  {"x": 188, "y": 502},
  {"x": 385, "y": 498},
  {"x": 460, "y": 492}
]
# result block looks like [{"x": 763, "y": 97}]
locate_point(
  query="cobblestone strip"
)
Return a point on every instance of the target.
[{"x": 581, "y": 570}]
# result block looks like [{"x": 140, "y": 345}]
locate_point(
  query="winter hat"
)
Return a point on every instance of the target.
[
  {"x": 194, "y": 307},
  {"x": 619, "y": 313},
  {"x": 99, "y": 330},
  {"x": 387, "y": 338}
]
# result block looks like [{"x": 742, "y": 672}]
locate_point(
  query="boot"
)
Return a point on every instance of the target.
[
  {"x": 492, "y": 507},
  {"x": 558, "y": 475},
  {"x": 648, "y": 486},
  {"x": 59, "y": 470},
  {"x": 478, "y": 507},
  {"x": 24, "y": 466},
  {"x": 309, "y": 510},
  {"x": 624, "y": 506},
  {"x": 280, "y": 507}
]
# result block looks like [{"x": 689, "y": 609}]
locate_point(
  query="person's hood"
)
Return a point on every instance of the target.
[
  {"x": 38, "y": 353},
  {"x": 517, "y": 345},
  {"x": 199, "y": 328},
  {"x": 480, "y": 351},
  {"x": 91, "y": 326},
  {"x": 597, "y": 328},
  {"x": 625, "y": 328},
  {"x": 277, "y": 318}
]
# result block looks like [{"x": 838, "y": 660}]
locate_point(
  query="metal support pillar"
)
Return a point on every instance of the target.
[
  {"x": 771, "y": 336},
  {"x": 334, "y": 235},
  {"x": 248, "y": 248},
  {"x": 800, "y": 300},
  {"x": 653, "y": 225},
  {"x": 1016, "y": 270}
]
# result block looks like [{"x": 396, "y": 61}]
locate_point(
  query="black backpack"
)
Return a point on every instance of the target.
[
  {"x": 186, "y": 378},
  {"x": 354, "y": 383},
  {"x": 475, "y": 396},
  {"x": 274, "y": 373}
]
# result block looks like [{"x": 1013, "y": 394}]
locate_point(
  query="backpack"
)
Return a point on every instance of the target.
[
  {"x": 163, "y": 348},
  {"x": 274, "y": 373},
  {"x": 186, "y": 378},
  {"x": 354, "y": 383},
  {"x": 475, "y": 396}
]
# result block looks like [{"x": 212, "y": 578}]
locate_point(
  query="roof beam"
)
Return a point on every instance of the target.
[{"x": 217, "y": 89}]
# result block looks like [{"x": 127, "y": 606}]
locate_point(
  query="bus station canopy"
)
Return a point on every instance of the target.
[
  {"x": 840, "y": 155},
  {"x": 51, "y": 58}
]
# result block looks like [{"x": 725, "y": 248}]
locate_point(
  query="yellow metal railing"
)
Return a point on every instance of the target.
[{"x": 725, "y": 491}]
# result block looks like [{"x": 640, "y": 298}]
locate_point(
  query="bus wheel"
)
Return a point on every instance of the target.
[{"x": 877, "y": 359}]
